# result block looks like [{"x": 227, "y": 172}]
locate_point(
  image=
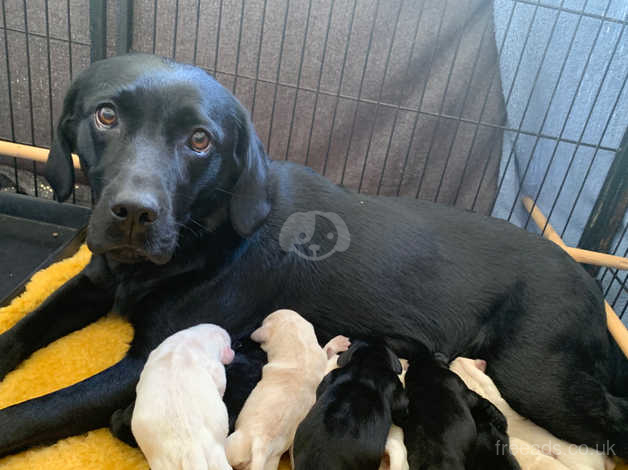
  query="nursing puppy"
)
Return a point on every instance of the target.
[
  {"x": 348, "y": 426},
  {"x": 448, "y": 425},
  {"x": 395, "y": 455},
  {"x": 180, "y": 421},
  {"x": 243, "y": 374},
  {"x": 529, "y": 435},
  {"x": 296, "y": 363}
]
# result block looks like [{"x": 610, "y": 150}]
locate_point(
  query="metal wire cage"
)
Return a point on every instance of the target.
[{"x": 472, "y": 103}]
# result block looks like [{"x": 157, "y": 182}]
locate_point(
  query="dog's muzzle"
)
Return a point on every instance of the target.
[{"x": 132, "y": 227}]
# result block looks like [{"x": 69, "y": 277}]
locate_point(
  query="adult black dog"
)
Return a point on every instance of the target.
[{"x": 193, "y": 223}]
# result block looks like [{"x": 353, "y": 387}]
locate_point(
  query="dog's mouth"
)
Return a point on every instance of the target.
[
  {"x": 127, "y": 255},
  {"x": 133, "y": 255}
]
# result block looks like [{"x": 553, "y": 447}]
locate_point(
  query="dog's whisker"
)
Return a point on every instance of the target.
[{"x": 236, "y": 194}]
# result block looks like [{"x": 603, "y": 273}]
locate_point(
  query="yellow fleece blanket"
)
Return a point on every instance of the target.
[{"x": 65, "y": 362}]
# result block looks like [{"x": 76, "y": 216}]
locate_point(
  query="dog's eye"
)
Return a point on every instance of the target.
[
  {"x": 199, "y": 141},
  {"x": 106, "y": 116}
]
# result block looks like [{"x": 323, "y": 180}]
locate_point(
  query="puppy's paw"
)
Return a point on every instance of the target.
[{"x": 337, "y": 345}]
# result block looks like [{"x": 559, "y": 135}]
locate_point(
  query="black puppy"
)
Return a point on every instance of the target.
[
  {"x": 243, "y": 373},
  {"x": 492, "y": 446},
  {"x": 449, "y": 426},
  {"x": 356, "y": 405},
  {"x": 194, "y": 223}
]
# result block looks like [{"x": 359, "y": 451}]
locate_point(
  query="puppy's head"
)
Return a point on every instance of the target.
[
  {"x": 165, "y": 148},
  {"x": 284, "y": 331},
  {"x": 210, "y": 340},
  {"x": 373, "y": 355}
]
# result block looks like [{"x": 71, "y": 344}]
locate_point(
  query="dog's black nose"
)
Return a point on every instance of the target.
[{"x": 141, "y": 211}]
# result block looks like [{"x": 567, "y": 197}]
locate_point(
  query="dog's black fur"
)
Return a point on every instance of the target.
[
  {"x": 243, "y": 374},
  {"x": 356, "y": 404},
  {"x": 450, "y": 426},
  {"x": 198, "y": 241},
  {"x": 120, "y": 425},
  {"x": 492, "y": 445}
]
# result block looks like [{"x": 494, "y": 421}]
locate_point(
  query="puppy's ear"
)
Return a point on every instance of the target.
[
  {"x": 483, "y": 410},
  {"x": 393, "y": 360},
  {"x": 250, "y": 203},
  {"x": 345, "y": 357},
  {"x": 59, "y": 168}
]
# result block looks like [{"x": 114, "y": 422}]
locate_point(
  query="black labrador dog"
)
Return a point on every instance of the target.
[
  {"x": 194, "y": 223},
  {"x": 356, "y": 404}
]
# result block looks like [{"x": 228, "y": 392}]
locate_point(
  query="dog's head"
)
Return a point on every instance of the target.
[
  {"x": 164, "y": 146},
  {"x": 376, "y": 355},
  {"x": 284, "y": 330}
]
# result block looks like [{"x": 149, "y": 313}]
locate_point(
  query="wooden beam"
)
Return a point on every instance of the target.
[
  {"x": 617, "y": 329},
  {"x": 580, "y": 255},
  {"x": 28, "y": 152}
]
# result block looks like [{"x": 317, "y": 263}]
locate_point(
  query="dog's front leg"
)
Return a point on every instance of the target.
[
  {"x": 77, "y": 303},
  {"x": 72, "y": 410}
]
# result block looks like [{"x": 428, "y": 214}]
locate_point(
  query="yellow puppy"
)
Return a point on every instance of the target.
[
  {"x": 180, "y": 421},
  {"x": 296, "y": 365},
  {"x": 526, "y": 437}
]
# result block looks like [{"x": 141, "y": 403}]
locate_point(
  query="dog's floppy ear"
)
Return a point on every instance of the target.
[
  {"x": 59, "y": 168},
  {"x": 345, "y": 357},
  {"x": 250, "y": 202},
  {"x": 393, "y": 360}
]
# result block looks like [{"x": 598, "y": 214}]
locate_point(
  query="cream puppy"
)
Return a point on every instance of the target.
[
  {"x": 296, "y": 365},
  {"x": 527, "y": 434},
  {"x": 395, "y": 452},
  {"x": 531, "y": 458},
  {"x": 180, "y": 421}
]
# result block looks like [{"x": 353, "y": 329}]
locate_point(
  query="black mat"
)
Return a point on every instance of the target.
[{"x": 33, "y": 234}]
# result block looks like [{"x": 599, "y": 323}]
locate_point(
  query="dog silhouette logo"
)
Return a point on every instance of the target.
[{"x": 314, "y": 235}]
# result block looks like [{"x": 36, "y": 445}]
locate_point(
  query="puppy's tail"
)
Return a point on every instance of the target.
[{"x": 238, "y": 449}]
